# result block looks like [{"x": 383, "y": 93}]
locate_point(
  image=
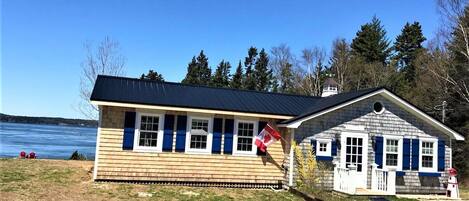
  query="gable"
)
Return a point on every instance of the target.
[{"x": 388, "y": 96}]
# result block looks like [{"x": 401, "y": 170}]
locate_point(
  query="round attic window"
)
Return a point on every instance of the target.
[{"x": 378, "y": 108}]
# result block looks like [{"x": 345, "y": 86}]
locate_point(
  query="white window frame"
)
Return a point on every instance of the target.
[
  {"x": 434, "y": 167},
  {"x": 159, "y": 143},
  {"x": 328, "y": 151},
  {"x": 382, "y": 109},
  {"x": 253, "y": 152},
  {"x": 208, "y": 149},
  {"x": 399, "y": 151}
]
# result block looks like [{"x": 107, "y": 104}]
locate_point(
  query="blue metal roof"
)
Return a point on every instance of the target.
[{"x": 130, "y": 90}]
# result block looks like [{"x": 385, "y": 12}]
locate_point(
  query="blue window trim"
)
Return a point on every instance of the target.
[
  {"x": 400, "y": 173},
  {"x": 429, "y": 174},
  {"x": 324, "y": 158}
]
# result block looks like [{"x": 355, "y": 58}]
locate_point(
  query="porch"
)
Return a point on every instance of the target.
[{"x": 347, "y": 180}]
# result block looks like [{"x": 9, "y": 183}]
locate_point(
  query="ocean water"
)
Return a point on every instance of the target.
[{"x": 47, "y": 141}]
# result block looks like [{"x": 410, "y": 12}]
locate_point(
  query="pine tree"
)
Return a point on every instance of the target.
[
  {"x": 221, "y": 78},
  {"x": 192, "y": 76},
  {"x": 286, "y": 84},
  {"x": 408, "y": 44},
  {"x": 198, "y": 71},
  {"x": 152, "y": 75},
  {"x": 237, "y": 81},
  {"x": 371, "y": 42},
  {"x": 249, "y": 81},
  {"x": 204, "y": 71},
  {"x": 262, "y": 74}
]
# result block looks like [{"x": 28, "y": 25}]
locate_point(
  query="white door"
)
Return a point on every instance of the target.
[{"x": 354, "y": 150}]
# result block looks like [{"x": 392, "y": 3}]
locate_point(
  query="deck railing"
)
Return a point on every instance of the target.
[
  {"x": 383, "y": 180},
  {"x": 344, "y": 179}
]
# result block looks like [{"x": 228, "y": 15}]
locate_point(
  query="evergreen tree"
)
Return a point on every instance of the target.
[
  {"x": 198, "y": 72},
  {"x": 204, "y": 71},
  {"x": 250, "y": 60},
  {"x": 152, "y": 75},
  {"x": 262, "y": 74},
  {"x": 408, "y": 44},
  {"x": 221, "y": 78},
  {"x": 237, "y": 81},
  {"x": 192, "y": 73},
  {"x": 371, "y": 42},
  {"x": 286, "y": 82}
]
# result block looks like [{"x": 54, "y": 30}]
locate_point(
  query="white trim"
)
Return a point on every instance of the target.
[
  {"x": 159, "y": 142},
  {"x": 291, "y": 158},
  {"x": 235, "y": 138},
  {"x": 208, "y": 149},
  {"x": 393, "y": 98},
  {"x": 400, "y": 153},
  {"x": 98, "y": 136},
  {"x": 434, "y": 167},
  {"x": 362, "y": 177},
  {"x": 328, "y": 151},
  {"x": 194, "y": 110}
]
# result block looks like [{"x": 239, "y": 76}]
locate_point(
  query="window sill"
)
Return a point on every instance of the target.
[
  {"x": 324, "y": 158},
  {"x": 206, "y": 152},
  {"x": 250, "y": 154},
  {"x": 429, "y": 174},
  {"x": 150, "y": 150}
]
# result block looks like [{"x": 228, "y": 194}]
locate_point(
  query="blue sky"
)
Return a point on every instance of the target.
[{"x": 42, "y": 41}]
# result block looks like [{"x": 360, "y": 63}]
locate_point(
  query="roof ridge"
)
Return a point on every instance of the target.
[{"x": 210, "y": 87}]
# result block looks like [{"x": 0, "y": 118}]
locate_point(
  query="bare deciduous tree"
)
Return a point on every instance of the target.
[
  {"x": 283, "y": 63},
  {"x": 452, "y": 14},
  {"x": 105, "y": 59},
  {"x": 312, "y": 64},
  {"x": 340, "y": 61}
]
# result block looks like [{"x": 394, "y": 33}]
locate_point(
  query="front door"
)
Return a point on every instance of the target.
[{"x": 354, "y": 150}]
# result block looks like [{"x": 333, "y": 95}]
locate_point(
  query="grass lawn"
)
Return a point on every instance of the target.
[
  {"x": 71, "y": 180},
  {"x": 464, "y": 192}
]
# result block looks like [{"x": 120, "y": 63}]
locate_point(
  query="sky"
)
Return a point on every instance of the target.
[{"x": 42, "y": 41}]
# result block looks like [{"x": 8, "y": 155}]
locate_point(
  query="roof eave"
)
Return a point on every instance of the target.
[{"x": 396, "y": 99}]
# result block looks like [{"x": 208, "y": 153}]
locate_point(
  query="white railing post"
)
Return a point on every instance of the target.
[
  {"x": 352, "y": 180},
  {"x": 336, "y": 176},
  {"x": 391, "y": 185},
  {"x": 374, "y": 177}
]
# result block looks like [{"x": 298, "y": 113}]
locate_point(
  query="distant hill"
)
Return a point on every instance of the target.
[{"x": 47, "y": 120}]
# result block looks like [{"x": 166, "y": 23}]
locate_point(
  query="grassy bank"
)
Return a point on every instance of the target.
[{"x": 71, "y": 180}]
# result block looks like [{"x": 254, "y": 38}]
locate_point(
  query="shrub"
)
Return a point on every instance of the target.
[
  {"x": 307, "y": 166},
  {"x": 77, "y": 156}
]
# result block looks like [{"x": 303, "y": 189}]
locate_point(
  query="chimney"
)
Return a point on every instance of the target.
[{"x": 329, "y": 88}]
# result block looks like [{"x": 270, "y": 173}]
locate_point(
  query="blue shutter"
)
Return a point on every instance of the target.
[
  {"x": 261, "y": 126},
  {"x": 217, "y": 130},
  {"x": 406, "y": 154},
  {"x": 379, "y": 151},
  {"x": 228, "y": 145},
  {"x": 415, "y": 154},
  {"x": 334, "y": 148},
  {"x": 129, "y": 131},
  {"x": 313, "y": 145},
  {"x": 441, "y": 155},
  {"x": 168, "y": 132},
  {"x": 181, "y": 133}
]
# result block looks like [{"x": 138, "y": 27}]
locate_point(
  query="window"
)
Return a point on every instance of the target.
[
  {"x": 245, "y": 132},
  {"x": 428, "y": 158},
  {"x": 392, "y": 152},
  {"x": 148, "y": 132},
  {"x": 199, "y": 132},
  {"x": 427, "y": 154},
  {"x": 323, "y": 147},
  {"x": 199, "y": 135},
  {"x": 378, "y": 108},
  {"x": 354, "y": 152}
]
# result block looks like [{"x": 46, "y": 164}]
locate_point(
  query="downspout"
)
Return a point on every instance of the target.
[{"x": 290, "y": 169}]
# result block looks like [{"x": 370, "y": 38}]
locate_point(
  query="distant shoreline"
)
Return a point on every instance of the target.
[{"x": 48, "y": 121}]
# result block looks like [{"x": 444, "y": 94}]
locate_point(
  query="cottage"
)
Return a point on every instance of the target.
[{"x": 373, "y": 140}]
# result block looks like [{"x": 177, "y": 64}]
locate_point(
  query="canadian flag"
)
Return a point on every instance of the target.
[{"x": 266, "y": 137}]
